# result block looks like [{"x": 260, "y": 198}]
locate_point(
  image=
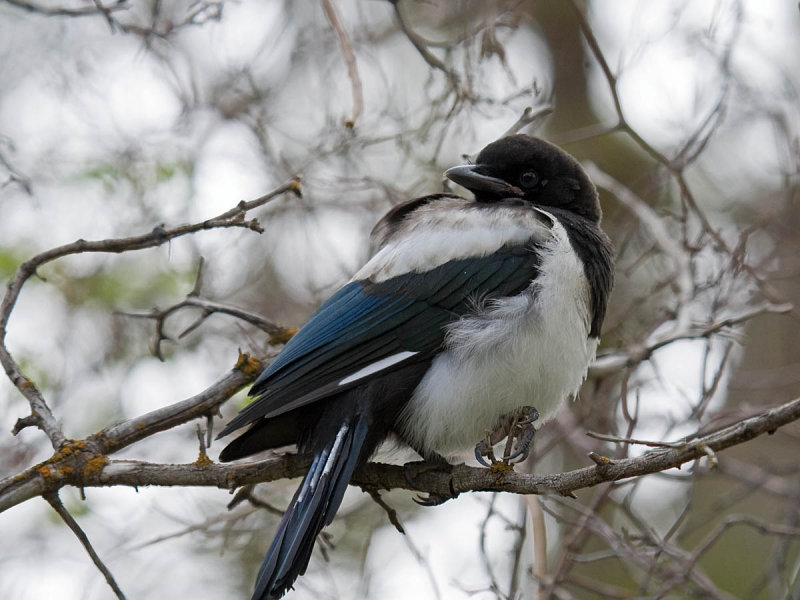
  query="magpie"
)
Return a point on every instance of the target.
[{"x": 467, "y": 310}]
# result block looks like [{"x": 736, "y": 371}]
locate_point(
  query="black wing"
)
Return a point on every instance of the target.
[{"x": 366, "y": 328}]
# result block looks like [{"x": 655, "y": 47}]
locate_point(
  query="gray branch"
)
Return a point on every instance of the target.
[{"x": 444, "y": 483}]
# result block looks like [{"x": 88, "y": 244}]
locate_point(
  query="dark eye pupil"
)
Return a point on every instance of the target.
[{"x": 529, "y": 179}]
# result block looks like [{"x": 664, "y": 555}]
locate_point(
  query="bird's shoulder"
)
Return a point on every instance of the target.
[
  {"x": 427, "y": 232},
  {"x": 398, "y": 214}
]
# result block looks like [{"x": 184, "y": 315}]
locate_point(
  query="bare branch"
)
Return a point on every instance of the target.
[
  {"x": 55, "y": 502},
  {"x": 422, "y": 47},
  {"x": 661, "y": 236},
  {"x": 350, "y": 59},
  {"x": 59, "y": 11},
  {"x": 539, "y": 544},
  {"x": 459, "y": 479},
  {"x": 614, "y": 362},
  {"x": 623, "y": 125},
  {"x": 391, "y": 513},
  {"x": 41, "y": 415},
  {"x": 206, "y": 402},
  {"x": 528, "y": 116},
  {"x": 278, "y": 334}
]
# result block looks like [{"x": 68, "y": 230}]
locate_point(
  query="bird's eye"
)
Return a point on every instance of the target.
[{"x": 529, "y": 179}]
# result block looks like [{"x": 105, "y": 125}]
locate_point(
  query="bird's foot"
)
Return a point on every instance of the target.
[
  {"x": 435, "y": 463},
  {"x": 518, "y": 428}
]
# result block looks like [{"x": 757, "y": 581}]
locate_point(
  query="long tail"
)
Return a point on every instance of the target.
[{"x": 313, "y": 507}]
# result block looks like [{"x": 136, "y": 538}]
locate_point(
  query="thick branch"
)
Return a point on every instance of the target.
[
  {"x": 461, "y": 478},
  {"x": 206, "y": 402}
]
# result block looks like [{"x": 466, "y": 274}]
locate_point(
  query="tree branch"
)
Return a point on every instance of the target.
[
  {"x": 60, "y": 11},
  {"x": 55, "y": 502},
  {"x": 41, "y": 415},
  {"x": 277, "y": 334},
  {"x": 444, "y": 483},
  {"x": 350, "y": 59}
]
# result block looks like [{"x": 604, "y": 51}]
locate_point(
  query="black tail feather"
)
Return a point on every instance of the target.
[
  {"x": 265, "y": 434},
  {"x": 314, "y": 505}
]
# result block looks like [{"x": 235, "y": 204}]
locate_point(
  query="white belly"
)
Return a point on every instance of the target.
[{"x": 529, "y": 350}]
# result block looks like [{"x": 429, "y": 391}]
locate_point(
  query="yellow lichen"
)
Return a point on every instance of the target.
[
  {"x": 94, "y": 465},
  {"x": 501, "y": 467},
  {"x": 203, "y": 460},
  {"x": 282, "y": 336},
  {"x": 247, "y": 364}
]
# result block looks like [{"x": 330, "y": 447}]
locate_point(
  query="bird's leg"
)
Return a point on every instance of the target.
[{"x": 518, "y": 428}]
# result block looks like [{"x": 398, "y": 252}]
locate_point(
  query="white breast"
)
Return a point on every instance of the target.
[{"x": 527, "y": 350}]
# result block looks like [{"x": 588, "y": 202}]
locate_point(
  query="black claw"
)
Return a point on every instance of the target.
[
  {"x": 431, "y": 500},
  {"x": 519, "y": 430},
  {"x": 524, "y": 432},
  {"x": 479, "y": 457},
  {"x": 483, "y": 448},
  {"x": 522, "y": 447},
  {"x": 436, "y": 462}
]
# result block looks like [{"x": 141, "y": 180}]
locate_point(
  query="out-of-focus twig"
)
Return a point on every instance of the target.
[
  {"x": 528, "y": 116},
  {"x": 277, "y": 333},
  {"x": 62, "y": 11},
  {"x": 422, "y": 47},
  {"x": 349, "y": 58}
]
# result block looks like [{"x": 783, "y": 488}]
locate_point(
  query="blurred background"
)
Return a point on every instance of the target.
[{"x": 118, "y": 117}]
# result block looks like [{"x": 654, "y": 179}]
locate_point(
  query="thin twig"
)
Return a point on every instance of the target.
[
  {"x": 614, "y": 362},
  {"x": 422, "y": 47},
  {"x": 55, "y": 502},
  {"x": 60, "y": 11},
  {"x": 661, "y": 236},
  {"x": 245, "y": 493},
  {"x": 622, "y": 440},
  {"x": 528, "y": 116},
  {"x": 394, "y": 519},
  {"x": 539, "y": 544},
  {"x": 349, "y": 58},
  {"x": 278, "y": 334}
]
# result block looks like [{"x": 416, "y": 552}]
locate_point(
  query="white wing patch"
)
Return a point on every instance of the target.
[
  {"x": 436, "y": 234},
  {"x": 377, "y": 366}
]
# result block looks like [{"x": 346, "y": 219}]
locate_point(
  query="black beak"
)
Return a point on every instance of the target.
[{"x": 469, "y": 176}]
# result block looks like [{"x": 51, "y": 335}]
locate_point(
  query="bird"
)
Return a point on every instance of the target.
[{"x": 467, "y": 310}]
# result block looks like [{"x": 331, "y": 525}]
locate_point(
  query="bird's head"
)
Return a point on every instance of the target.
[{"x": 528, "y": 168}]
